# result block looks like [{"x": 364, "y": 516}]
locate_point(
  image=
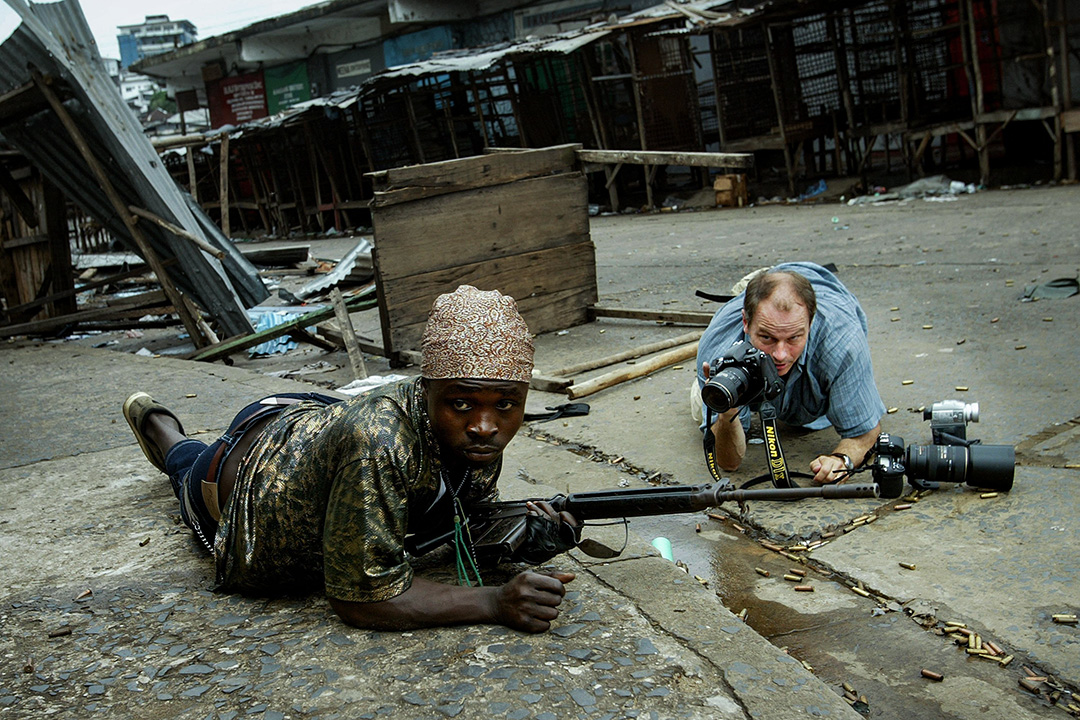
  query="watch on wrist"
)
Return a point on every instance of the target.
[{"x": 848, "y": 465}]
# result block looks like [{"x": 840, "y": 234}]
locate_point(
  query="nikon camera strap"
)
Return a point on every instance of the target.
[{"x": 778, "y": 471}]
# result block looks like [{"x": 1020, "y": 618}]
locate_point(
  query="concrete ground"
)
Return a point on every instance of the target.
[{"x": 92, "y": 554}]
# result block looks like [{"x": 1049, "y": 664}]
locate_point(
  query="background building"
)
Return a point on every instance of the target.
[{"x": 156, "y": 35}]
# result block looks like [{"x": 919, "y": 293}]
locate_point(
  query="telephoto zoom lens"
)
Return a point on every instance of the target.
[
  {"x": 982, "y": 466},
  {"x": 724, "y": 390}
]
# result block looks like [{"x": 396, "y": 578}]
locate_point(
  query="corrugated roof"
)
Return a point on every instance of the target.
[{"x": 55, "y": 39}]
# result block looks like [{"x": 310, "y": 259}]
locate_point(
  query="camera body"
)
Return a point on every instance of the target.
[
  {"x": 742, "y": 376},
  {"x": 952, "y": 457}
]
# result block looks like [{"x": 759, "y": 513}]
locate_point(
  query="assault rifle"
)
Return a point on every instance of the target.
[{"x": 499, "y": 528}]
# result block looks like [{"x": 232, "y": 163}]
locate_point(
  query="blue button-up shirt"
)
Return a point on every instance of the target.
[{"x": 832, "y": 379}]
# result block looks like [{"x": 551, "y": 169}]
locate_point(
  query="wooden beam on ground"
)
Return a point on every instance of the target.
[
  {"x": 686, "y": 317},
  {"x": 601, "y": 382},
  {"x": 48, "y": 325},
  {"x": 83, "y": 288},
  {"x": 548, "y": 383},
  {"x": 285, "y": 256},
  {"x": 637, "y": 352},
  {"x": 243, "y": 342}
]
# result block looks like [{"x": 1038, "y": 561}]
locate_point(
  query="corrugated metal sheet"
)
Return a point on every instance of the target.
[{"x": 54, "y": 39}]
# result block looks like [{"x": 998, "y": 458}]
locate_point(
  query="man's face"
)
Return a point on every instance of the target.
[
  {"x": 780, "y": 334},
  {"x": 473, "y": 420}
]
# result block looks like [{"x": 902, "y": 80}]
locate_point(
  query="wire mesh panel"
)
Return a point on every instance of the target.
[
  {"x": 1011, "y": 40},
  {"x": 552, "y": 103},
  {"x": 815, "y": 61},
  {"x": 743, "y": 86},
  {"x": 668, "y": 93},
  {"x": 937, "y": 75},
  {"x": 869, "y": 34},
  {"x": 386, "y": 118},
  {"x": 609, "y": 73}
]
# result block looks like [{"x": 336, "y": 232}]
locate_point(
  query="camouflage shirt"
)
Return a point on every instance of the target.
[{"x": 327, "y": 494}]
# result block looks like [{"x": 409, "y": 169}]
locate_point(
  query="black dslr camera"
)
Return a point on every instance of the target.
[
  {"x": 952, "y": 458},
  {"x": 742, "y": 376}
]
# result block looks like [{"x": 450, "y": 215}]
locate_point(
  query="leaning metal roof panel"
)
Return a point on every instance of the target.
[{"x": 55, "y": 40}]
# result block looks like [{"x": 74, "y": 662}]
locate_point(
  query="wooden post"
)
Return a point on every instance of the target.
[
  {"x": 223, "y": 185},
  {"x": 1055, "y": 93},
  {"x": 1066, "y": 77},
  {"x": 415, "y": 132},
  {"x": 348, "y": 334},
  {"x": 193, "y": 181},
  {"x": 777, "y": 100},
  {"x": 978, "y": 106},
  {"x": 479, "y": 111},
  {"x": 174, "y": 295},
  {"x": 635, "y": 81}
]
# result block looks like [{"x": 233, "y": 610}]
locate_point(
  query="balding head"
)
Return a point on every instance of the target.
[{"x": 781, "y": 288}]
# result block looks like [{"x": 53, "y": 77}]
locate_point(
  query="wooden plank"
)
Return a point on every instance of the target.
[
  {"x": 25, "y": 241},
  {"x": 686, "y": 317},
  {"x": 474, "y": 172},
  {"x": 660, "y": 157},
  {"x": 477, "y": 225},
  {"x": 520, "y": 276}
]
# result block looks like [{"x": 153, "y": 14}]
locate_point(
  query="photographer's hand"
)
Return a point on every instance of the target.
[
  {"x": 830, "y": 468},
  {"x": 827, "y": 469}
]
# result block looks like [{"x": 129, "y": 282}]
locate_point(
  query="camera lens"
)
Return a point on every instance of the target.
[
  {"x": 984, "y": 466},
  {"x": 725, "y": 389}
]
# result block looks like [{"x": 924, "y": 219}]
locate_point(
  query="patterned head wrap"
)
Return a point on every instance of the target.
[{"x": 478, "y": 334}]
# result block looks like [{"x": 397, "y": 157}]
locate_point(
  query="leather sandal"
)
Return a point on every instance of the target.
[{"x": 137, "y": 408}]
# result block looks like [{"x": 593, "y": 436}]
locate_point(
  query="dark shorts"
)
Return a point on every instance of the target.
[{"x": 191, "y": 462}]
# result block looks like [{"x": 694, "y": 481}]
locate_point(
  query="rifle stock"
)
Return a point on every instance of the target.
[{"x": 498, "y": 528}]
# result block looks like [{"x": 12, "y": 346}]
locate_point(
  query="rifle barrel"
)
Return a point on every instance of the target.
[
  {"x": 832, "y": 492},
  {"x": 691, "y": 498}
]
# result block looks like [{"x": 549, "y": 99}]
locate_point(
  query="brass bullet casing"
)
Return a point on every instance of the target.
[
  {"x": 930, "y": 674},
  {"x": 860, "y": 591},
  {"x": 792, "y": 578},
  {"x": 902, "y": 506},
  {"x": 1064, "y": 618},
  {"x": 804, "y": 588},
  {"x": 848, "y": 688},
  {"x": 797, "y": 571},
  {"x": 762, "y": 572},
  {"x": 907, "y": 566},
  {"x": 1029, "y": 685}
]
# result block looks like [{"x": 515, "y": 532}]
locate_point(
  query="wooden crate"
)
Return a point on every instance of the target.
[
  {"x": 513, "y": 221},
  {"x": 730, "y": 190}
]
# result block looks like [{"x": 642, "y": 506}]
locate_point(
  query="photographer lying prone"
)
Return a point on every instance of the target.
[{"x": 813, "y": 333}]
